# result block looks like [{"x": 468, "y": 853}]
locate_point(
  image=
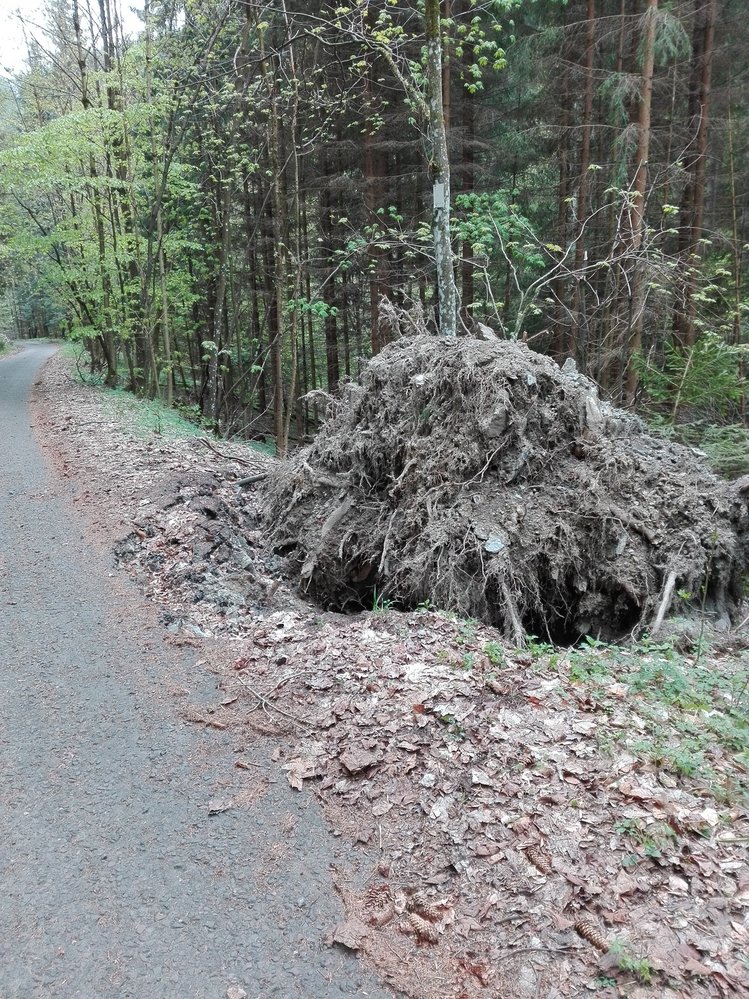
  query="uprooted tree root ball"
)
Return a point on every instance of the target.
[{"x": 481, "y": 477}]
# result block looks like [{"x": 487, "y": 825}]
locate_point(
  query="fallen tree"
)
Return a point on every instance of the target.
[{"x": 479, "y": 476}]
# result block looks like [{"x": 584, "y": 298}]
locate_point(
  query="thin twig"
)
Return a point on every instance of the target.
[
  {"x": 509, "y": 919},
  {"x": 538, "y": 950},
  {"x": 268, "y": 705},
  {"x": 741, "y": 625},
  {"x": 221, "y": 454},
  {"x": 246, "y": 764}
]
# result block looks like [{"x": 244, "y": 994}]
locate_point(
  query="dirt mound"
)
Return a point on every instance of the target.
[{"x": 479, "y": 476}]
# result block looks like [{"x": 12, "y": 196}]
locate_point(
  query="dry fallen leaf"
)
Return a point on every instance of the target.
[
  {"x": 351, "y": 934},
  {"x": 697, "y": 969},
  {"x": 300, "y": 769},
  {"x": 218, "y": 805},
  {"x": 481, "y": 778},
  {"x": 356, "y": 760}
]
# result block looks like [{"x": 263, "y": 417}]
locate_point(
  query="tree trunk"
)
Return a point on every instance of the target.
[
  {"x": 372, "y": 173},
  {"x": 443, "y": 251},
  {"x": 637, "y": 209},
  {"x": 278, "y": 200},
  {"x": 578, "y": 304},
  {"x": 329, "y": 274},
  {"x": 468, "y": 168},
  {"x": 106, "y": 333},
  {"x": 693, "y": 199},
  {"x": 219, "y": 304}
]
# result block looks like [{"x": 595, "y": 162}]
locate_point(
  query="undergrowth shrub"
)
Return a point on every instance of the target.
[{"x": 696, "y": 397}]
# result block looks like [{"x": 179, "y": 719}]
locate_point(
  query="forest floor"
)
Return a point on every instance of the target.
[{"x": 533, "y": 822}]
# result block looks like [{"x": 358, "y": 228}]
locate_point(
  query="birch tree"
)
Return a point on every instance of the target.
[{"x": 440, "y": 164}]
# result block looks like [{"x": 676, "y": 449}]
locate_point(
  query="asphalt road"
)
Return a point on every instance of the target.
[{"x": 114, "y": 880}]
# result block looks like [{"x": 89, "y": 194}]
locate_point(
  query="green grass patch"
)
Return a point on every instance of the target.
[
  {"x": 690, "y": 713},
  {"x": 147, "y": 417},
  {"x": 654, "y": 839},
  {"x": 144, "y": 417},
  {"x": 634, "y": 964}
]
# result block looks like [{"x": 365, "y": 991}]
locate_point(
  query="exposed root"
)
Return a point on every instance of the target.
[
  {"x": 665, "y": 604},
  {"x": 481, "y": 477}
]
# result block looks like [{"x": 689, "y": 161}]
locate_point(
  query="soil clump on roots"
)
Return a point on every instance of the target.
[{"x": 479, "y": 476}]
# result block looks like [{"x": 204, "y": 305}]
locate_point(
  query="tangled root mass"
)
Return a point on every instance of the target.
[{"x": 481, "y": 477}]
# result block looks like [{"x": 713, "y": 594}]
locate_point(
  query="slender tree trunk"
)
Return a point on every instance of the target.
[
  {"x": 443, "y": 251},
  {"x": 693, "y": 199},
  {"x": 219, "y": 305},
  {"x": 446, "y": 14},
  {"x": 145, "y": 294},
  {"x": 106, "y": 333},
  {"x": 578, "y": 303},
  {"x": 637, "y": 210},
  {"x": 468, "y": 168},
  {"x": 737, "y": 247},
  {"x": 372, "y": 200},
  {"x": 279, "y": 250},
  {"x": 297, "y": 250},
  {"x": 559, "y": 339}
]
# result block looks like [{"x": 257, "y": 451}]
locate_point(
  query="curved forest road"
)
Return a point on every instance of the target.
[{"x": 114, "y": 880}]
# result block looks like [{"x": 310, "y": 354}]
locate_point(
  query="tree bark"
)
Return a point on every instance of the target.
[
  {"x": 443, "y": 251},
  {"x": 637, "y": 209},
  {"x": 278, "y": 200},
  {"x": 224, "y": 210},
  {"x": 467, "y": 286},
  {"x": 578, "y": 304},
  {"x": 693, "y": 199}
]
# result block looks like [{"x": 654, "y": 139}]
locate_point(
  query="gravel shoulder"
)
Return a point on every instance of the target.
[{"x": 137, "y": 859}]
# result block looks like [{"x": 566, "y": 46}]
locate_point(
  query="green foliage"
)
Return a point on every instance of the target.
[
  {"x": 477, "y": 38},
  {"x": 492, "y": 224},
  {"x": 381, "y": 604},
  {"x": 706, "y": 378},
  {"x": 494, "y": 653},
  {"x": 672, "y": 41},
  {"x": 149, "y": 417},
  {"x": 537, "y": 647},
  {"x": 497, "y": 231},
  {"x": 618, "y": 91},
  {"x": 455, "y": 728},
  {"x": 603, "y": 982},
  {"x": 727, "y": 447},
  {"x": 689, "y": 715},
  {"x": 585, "y": 668},
  {"x": 316, "y": 307},
  {"x": 654, "y": 839},
  {"x": 626, "y": 961},
  {"x": 665, "y": 680},
  {"x": 468, "y": 661},
  {"x": 467, "y": 631}
]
